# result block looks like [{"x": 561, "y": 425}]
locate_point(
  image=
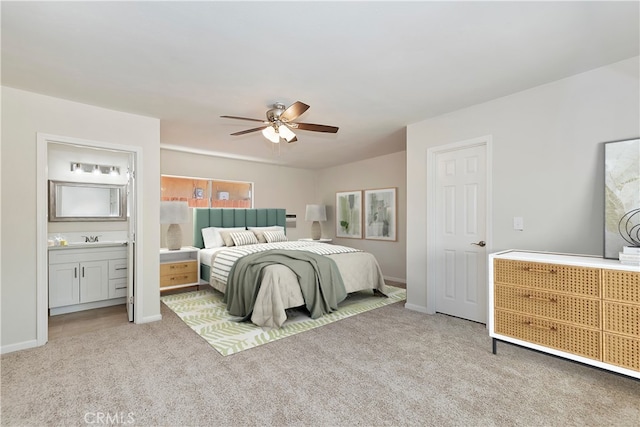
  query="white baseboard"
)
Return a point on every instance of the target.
[
  {"x": 414, "y": 307},
  {"x": 150, "y": 319},
  {"x": 18, "y": 346},
  {"x": 87, "y": 306},
  {"x": 395, "y": 279}
]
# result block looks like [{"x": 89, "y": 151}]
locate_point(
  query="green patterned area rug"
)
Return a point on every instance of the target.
[{"x": 207, "y": 315}]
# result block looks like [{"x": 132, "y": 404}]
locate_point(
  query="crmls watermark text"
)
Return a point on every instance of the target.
[{"x": 109, "y": 418}]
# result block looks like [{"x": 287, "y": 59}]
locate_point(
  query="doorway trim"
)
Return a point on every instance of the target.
[
  {"x": 432, "y": 173},
  {"x": 42, "y": 271}
]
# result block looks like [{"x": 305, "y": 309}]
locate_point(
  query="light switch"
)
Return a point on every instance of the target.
[{"x": 518, "y": 223}]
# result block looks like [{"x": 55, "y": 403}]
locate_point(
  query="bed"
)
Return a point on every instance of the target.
[{"x": 279, "y": 289}]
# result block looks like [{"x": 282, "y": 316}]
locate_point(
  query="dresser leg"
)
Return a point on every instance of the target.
[{"x": 494, "y": 344}]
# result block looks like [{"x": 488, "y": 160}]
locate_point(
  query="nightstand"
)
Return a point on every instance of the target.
[
  {"x": 319, "y": 240},
  {"x": 179, "y": 268}
]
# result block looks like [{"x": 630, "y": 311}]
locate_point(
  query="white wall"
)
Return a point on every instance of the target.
[
  {"x": 548, "y": 163},
  {"x": 292, "y": 189},
  {"x": 274, "y": 186},
  {"x": 379, "y": 172},
  {"x": 23, "y": 115}
]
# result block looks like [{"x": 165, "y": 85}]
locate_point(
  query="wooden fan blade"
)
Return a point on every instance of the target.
[
  {"x": 295, "y": 138},
  {"x": 242, "y": 132},
  {"x": 242, "y": 118},
  {"x": 294, "y": 110},
  {"x": 314, "y": 128}
]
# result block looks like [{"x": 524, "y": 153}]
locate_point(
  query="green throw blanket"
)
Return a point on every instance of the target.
[{"x": 320, "y": 281}]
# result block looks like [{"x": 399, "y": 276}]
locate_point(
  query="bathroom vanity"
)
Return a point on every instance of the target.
[{"x": 84, "y": 276}]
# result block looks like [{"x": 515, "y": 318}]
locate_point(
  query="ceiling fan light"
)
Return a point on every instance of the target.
[
  {"x": 271, "y": 134},
  {"x": 286, "y": 133}
]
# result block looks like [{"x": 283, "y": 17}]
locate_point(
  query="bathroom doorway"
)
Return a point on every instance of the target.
[{"x": 58, "y": 159}]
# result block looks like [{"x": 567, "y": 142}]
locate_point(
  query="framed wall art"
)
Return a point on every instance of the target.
[
  {"x": 380, "y": 216},
  {"x": 622, "y": 196},
  {"x": 349, "y": 214}
]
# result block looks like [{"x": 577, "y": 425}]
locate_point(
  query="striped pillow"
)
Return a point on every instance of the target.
[
  {"x": 275, "y": 236},
  {"x": 242, "y": 238}
]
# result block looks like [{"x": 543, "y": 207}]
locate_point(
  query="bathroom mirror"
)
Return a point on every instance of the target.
[{"x": 76, "y": 201}]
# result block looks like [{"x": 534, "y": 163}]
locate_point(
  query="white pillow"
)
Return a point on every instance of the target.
[
  {"x": 259, "y": 231},
  {"x": 212, "y": 237},
  {"x": 275, "y": 236},
  {"x": 242, "y": 238}
]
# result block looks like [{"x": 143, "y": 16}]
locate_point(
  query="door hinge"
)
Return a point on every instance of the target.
[{"x": 132, "y": 300}]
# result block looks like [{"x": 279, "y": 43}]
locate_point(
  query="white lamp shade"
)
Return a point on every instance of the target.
[
  {"x": 174, "y": 212},
  {"x": 286, "y": 133},
  {"x": 270, "y": 133},
  {"x": 316, "y": 213}
]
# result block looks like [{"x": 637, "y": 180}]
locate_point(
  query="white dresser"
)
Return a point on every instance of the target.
[
  {"x": 582, "y": 308},
  {"x": 86, "y": 277}
]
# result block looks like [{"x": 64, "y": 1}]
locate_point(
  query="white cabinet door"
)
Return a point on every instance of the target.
[
  {"x": 64, "y": 284},
  {"x": 94, "y": 281}
]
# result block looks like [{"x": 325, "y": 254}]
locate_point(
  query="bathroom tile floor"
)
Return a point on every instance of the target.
[{"x": 80, "y": 322}]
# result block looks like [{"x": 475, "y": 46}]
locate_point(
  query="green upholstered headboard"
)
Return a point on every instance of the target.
[{"x": 221, "y": 217}]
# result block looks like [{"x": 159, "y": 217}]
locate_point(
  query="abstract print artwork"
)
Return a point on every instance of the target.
[
  {"x": 380, "y": 214},
  {"x": 349, "y": 214},
  {"x": 622, "y": 196}
]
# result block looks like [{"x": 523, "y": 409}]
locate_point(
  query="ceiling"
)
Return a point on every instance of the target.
[{"x": 370, "y": 68}]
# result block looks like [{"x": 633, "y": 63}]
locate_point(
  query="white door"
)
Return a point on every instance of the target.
[
  {"x": 131, "y": 205},
  {"x": 461, "y": 261}
]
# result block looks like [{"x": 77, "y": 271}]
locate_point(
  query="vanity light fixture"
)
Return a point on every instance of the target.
[{"x": 95, "y": 169}]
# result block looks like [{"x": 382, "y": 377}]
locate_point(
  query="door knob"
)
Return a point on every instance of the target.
[{"x": 481, "y": 243}]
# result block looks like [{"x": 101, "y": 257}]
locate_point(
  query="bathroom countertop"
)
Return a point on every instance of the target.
[{"x": 83, "y": 245}]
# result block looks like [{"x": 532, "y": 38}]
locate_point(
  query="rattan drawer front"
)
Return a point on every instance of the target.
[
  {"x": 178, "y": 267},
  {"x": 550, "y": 277},
  {"x": 178, "y": 279},
  {"x": 567, "y": 308},
  {"x": 622, "y": 318},
  {"x": 572, "y": 339},
  {"x": 622, "y": 286},
  {"x": 622, "y": 351}
]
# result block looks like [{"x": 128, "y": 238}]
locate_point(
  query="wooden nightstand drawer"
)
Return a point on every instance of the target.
[
  {"x": 178, "y": 279},
  {"x": 553, "y": 306},
  {"x": 550, "y": 277},
  {"x": 561, "y": 336},
  {"x": 178, "y": 267}
]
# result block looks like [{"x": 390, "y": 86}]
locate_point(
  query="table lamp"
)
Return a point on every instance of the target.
[
  {"x": 174, "y": 213},
  {"x": 316, "y": 213}
]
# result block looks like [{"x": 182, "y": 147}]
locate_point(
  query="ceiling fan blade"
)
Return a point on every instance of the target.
[
  {"x": 242, "y": 118},
  {"x": 294, "y": 139},
  {"x": 314, "y": 128},
  {"x": 242, "y": 132},
  {"x": 294, "y": 110}
]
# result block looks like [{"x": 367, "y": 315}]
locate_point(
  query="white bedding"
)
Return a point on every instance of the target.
[
  {"x": 206, "y": 255},
  {"x": 280, "y": 290}
]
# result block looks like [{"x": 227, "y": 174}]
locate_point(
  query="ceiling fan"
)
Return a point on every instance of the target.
[{"x": 280, "y": 122}]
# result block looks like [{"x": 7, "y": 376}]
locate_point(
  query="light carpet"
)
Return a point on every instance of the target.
[{"x": 207, "y": 315}]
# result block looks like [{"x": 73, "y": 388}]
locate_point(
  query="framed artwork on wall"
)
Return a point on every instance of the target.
[
  {"x": 380, "y": 216},
  {"x": 349, "y": 214},
  {"x": 622, "y": 196}
]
